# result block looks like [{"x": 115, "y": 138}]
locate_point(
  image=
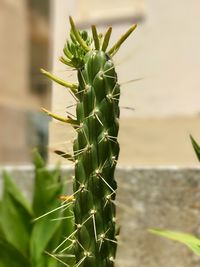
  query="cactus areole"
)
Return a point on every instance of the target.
[{"x": 95, "y": 149}]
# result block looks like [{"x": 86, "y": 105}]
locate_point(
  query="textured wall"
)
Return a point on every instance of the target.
[
  {"x": 150, "y": 198},
  {"x": 14, "y": 69},
  {"x": 13, "y": 52}
]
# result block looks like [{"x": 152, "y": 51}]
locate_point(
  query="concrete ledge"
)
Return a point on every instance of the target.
[{"x": 166, "y": 197}]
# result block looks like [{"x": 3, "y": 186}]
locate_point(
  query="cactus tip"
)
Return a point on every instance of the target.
[
  {"x": 121, "y": 40},
  {"x": 42, "y": 71}
]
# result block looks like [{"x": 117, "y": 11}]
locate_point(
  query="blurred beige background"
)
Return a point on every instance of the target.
[
  {"x": 163, "y": 52},
  {"x": 24, "y": 48}
]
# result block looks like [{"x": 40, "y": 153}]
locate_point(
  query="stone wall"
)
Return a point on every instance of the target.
[{"x": 148, "y": 197}]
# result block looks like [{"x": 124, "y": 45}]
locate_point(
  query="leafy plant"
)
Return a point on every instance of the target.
[
  {"x": 25, "y": 234},
  {"x": 189, "y": 240},
  {"x": 196, "y": 147},
  {"x": 95, "y": 149}
]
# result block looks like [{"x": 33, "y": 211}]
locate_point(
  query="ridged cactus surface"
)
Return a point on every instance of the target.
[{"x": 96, "y": 149}]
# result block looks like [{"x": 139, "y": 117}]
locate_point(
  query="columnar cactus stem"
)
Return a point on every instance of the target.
[{"x": 95, "y": 149}]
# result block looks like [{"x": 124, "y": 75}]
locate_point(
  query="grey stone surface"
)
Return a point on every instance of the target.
[
  {"x": 158, "y": 197},
  {"x": 165, "y": 198}
]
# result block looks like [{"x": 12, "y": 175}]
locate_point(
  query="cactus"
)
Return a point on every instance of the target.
[{"x": 95, "y": 149}]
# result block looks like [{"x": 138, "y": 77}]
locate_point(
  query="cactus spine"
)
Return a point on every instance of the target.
[{"x": 95, "y": 149}]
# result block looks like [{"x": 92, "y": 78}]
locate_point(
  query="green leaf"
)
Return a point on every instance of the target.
[
  {"x": 9, "y": 256},
  {"x": 47, "y": 261},
  {"x": 43, "y": 231},
  {"x": 38, "y": 161},
  {"x": 11, "y": 189},
  {"x": 15, "y": 216},
  {"x": 196, "y": 147},
  {"x": 1, "y": 230},
  {"x": 189, "y": 240},
  {"x": 47, "y": 189}
]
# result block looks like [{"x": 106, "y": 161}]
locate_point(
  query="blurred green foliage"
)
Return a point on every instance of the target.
[
  {"x": 24, "y": 239},
  {"x": 196, "y": 147},
  {"x": 189, "y": 240}
]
